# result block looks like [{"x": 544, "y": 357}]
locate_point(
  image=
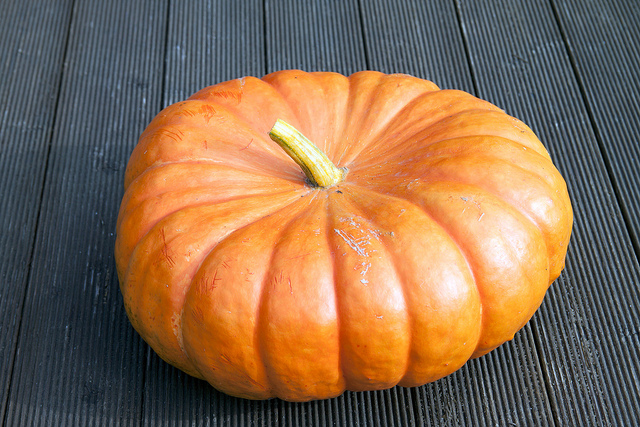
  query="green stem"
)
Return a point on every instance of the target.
[{"x": 314, "y": 163}]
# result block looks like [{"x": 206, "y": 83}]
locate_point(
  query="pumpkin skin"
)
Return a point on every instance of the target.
[{"x": 437, "y": 247}]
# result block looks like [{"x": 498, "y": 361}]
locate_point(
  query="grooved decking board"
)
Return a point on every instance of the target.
[
  {"x": 418, "y": 38},
  {"x": 172, "y": 397},
  {"x": 78, "y": 361},
  {"x": 207, "y": 42},
  {"x": 604, "y": 41},
  {"x": 507, "y": 385},
  {"x": 33, "y": 36},
  {"x": 210, "y": 42},
  {"x": 314, "y": 36},
  {"x": 587, "y": 325},
  {"x": 510, "y": 370},
  {"x": 183, "y": 400},
  {"x": 567, "y": 68}
]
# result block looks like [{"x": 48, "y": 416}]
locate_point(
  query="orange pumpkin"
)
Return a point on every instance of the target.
[{"x": 427, "y": 235}]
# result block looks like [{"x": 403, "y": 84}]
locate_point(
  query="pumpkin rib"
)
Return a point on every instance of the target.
[
  {"x": 262, "y": 281},
  {"x": 352, "y": 96},
  {"x": 371, "y": 224},
  {"x": 522, "y": 222},
  {"x": 427, "y": 155},
  {"x": 488, "y": 123},
  {"x": 203, "y": 205},
  {"x": 525, "y": 205},
  {"x": 335, "y": 144},
  {"x": 387, "y": 136},
  {"x": 224, "y": 111},
  {"x": 442, "y": 159},
  {"x": 291, "y": 174},
  {"x": 166, "y": 135},
  {"x": 151, "y": 178},
  {"x": 267, "y": 355},
  {"x": 278, "y": 82},
  {"x": 258, "y": 343},
  {"x": 322, "y": 102},
  {"x": 371, "y": 301},
  {"x": 388, "y": 118},
  {"x": 259, "y": 139},
  {"x": 535, "y": 156},
  {"x": 259, "y": 160},
  {"x": 452, "y": 292},
  {"x": 176, "y": 195},
  {"x": 427, "y": 142},
  {"x": 247, "y": 113},
  {"x": 328, "y": 236},
  {"x": 251, "y": 114},
  {"x": 433, "y": 162},
  {"x": 515, "y": 203},
  {"x": 325, "y": 375},
  {"x": 149, "y": 227},
  {"x": 465, "y": 252}
]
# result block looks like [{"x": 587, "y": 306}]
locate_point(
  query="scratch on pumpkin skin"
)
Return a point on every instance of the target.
[
  {"x": 280, "y": 280},
  {"x": 165, "y": 250},
  {"x": 476, "y": 204},
  {"x": 358, "y": 245},
  {"x": 254, "y": 382},
  {"x": 176, "y": 136},
  {"x": 207, "y": 285},
  {"x": 300, "y": 256},
  {"x": 187, "y": 112},
  {"x": 197, "y": 315},
  {"x": 352, "y": 242},
  {"x": 364, "y": 266},
  {"x": 249, "y": 273},
  {"x": 208, "y": 112},
  {"x": 250, "y": 142},
  {"x": 229, "y": 94}
]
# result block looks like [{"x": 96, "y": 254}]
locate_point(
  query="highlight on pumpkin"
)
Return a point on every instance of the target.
[{"x": 320, "y": 171}]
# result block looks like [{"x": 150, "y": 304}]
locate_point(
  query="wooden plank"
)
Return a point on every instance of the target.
[
  {"x": 419, "y": 39},
  {"x": 78, "y": 360},
  {"x": 492, "y": 384},
  {"x": 604, "y": 46},
  {"x": 211, "y": 42},
  {"x": 314, "y": 36},
  {"x": 587, "y": 325},
  {"x": 171, "y": 395},
  {"x": 33, "y": 37},
  {"x": 506, "y": 386},
  {"x": 208, "y": 42}
]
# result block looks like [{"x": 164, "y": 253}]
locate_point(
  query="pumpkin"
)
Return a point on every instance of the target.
[{"x": 303, "y": 234}]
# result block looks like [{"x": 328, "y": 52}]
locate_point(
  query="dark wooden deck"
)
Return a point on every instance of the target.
[{"x": 79, "y": 81}]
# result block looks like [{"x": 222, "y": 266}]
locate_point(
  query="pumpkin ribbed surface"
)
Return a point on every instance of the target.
[{"x": 439, "y": 244}]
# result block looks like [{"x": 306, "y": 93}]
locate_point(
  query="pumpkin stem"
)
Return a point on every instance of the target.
[{"x": 314, "y": 163}]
